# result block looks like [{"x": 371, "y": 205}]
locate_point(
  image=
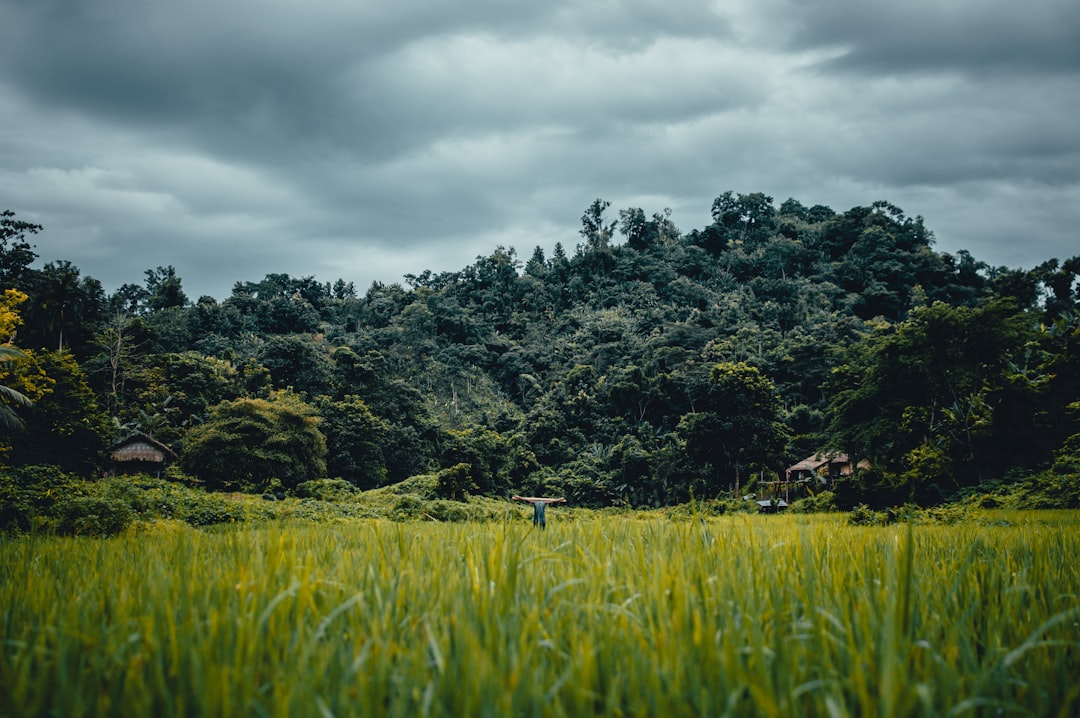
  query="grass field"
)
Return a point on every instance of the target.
[{"x": 598, "y": 615}]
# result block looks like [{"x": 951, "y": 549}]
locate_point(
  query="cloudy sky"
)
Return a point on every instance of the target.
[{"x": 367, "y": 139}]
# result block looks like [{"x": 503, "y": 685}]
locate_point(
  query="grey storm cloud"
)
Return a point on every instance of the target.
[
  {"x": 979, "y": 37},
  {"x": 369, "y": 140}
]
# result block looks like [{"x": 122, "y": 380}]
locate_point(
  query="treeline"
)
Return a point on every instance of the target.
[{"x": 646, "y": 365}]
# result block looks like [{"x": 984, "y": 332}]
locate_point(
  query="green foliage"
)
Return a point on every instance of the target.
[
  {"x": 1055, "y": 488},
  {"x": 670, "y": 366},
  {"x": 354, "y": 441},
  {"x": 820, "y": 503},
  {"x": 245, "y": 443},
  {"x": 862, "y": 515},
  {"x": 456, "y": 482},
  {"x": 163, "y": 289},
  {"x": 92, "y": 516},
  {"x": 943, "y": 399},
  {"x": 482, "y": 458},
  {"x": 199, "y": 509},
  {"x": 740, "y": 429},
  {"x": 10, "y": 422},
  {"x": 29, "y": 494},
  {"x": 64, "y": 308},
  {"x": 326, "y": 490},
  {"x": 66, "y": 427},
  {"x": 712, "y": 507},
  {"x": 16, "y": 252},
  {"x": 297, "y": 363}
]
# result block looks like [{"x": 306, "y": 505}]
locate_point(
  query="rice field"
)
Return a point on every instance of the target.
[{"x": 597, "y": 615}]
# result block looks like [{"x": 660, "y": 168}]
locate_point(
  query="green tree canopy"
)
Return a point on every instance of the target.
[
  {"x": 65, "y": 427},
  {"x": 739, "y": 428},
  {"x": 919, "y": 399},
  {"x": 247, "y": 443},
  {"x": 16, "y": 253},
  {"x": 354, "y": 439}
]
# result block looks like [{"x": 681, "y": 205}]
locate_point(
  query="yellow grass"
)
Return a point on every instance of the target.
[{"x": 598, "y": 615}]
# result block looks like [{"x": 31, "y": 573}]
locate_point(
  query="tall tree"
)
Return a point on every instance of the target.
[
  {"x": 16, "y": 253},
  {"x": 297, "y": 362},
  {"x": 163, "y": 289},
  {"x": 64, "y": 309},
  {"x": 740, "y": 428},
  {"x": 353, "y": 441},
  {"x": 596, "y": 230}
]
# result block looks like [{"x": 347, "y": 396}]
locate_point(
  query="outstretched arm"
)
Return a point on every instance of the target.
[{"x": 534, "y": 499}]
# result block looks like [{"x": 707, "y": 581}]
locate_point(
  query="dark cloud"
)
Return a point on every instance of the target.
[
  {"x": 368, "y": 140},
  {"x": 974, "y": 36}
]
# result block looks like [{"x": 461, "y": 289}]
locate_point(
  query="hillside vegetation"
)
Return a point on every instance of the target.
[{"x": 645, "y": 366}]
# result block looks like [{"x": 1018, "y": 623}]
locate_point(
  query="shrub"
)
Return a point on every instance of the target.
[
  {"x": 456, "y": 482},
  {"x": 423, "y": 485},
  {"x": 409, "y": 506},
  {"x": 199, "y": 509},
  {"x": 327, "y": 490},
  {"x": 448, "y": 511},
  {"x": 93, "y": 516},
  {"x": 863, "y": 515},
  {"x": 820, "y": 503},
  {"x": 246, "y": 443},
  {"x": 30, "y": 492},
  {"x": 947, "y": 515}
]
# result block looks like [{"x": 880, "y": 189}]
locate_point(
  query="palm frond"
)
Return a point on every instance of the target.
[{"x": 9, "y": 420}]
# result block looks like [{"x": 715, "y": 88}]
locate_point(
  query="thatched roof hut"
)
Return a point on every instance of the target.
[{"x": 141, "y": 454}]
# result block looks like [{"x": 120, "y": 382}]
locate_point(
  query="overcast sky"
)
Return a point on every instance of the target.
[{"x": 367, "y": 139}]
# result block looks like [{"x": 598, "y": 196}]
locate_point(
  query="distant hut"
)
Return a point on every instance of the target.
[
  {"x": 822, "y": 469},
  {"x": 807, "y": 477},
  {"x": 140, "y": 454}
]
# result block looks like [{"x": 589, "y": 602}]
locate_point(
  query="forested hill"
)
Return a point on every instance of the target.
[{"x": 644, "y": 365}]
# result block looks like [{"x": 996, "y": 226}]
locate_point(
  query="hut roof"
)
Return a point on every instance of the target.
[
  {"x": 815, "y": 462},
  {"x": 140, "y": 447}
]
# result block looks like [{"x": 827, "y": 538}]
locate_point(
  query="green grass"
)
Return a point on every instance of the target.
[{"x": 633, "y": 614}]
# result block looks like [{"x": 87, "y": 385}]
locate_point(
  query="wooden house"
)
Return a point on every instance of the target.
[
  {"x": 820, "y": 470},
  {"x": 812, "y": 474},
  {"x": 140, "y": 454}
]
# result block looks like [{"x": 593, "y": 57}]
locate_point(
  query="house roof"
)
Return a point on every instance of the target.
[
  {"x": 815, "y": 462},
  {"x": 140, "y": 447}
]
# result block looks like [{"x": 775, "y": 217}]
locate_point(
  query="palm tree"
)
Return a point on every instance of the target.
[
  {"x": 60, "y": 296},
  {"x": 9, "y": 420}
]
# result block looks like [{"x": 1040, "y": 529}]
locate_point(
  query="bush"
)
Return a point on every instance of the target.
[
  {"x": 863, "y": 515},
  {"x": 409, "y": 506},
  {"x": 93, "y": 516},
  {"x": 1048, "y": 490},
  {"x": 198, "y": 509},
  {"x": 455, "y": 482},
  {"x": 30, "y": 492},
  {"x": 448, "y": 511},
  {"x": 425, "y": 486},
  {"x": 823, "y": 502},
  {"x": 949, "y": 514},
  {"x": 327, "y": 490}
]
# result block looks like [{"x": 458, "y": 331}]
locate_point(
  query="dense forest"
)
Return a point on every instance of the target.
[{"x": 643, "y": 367}]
